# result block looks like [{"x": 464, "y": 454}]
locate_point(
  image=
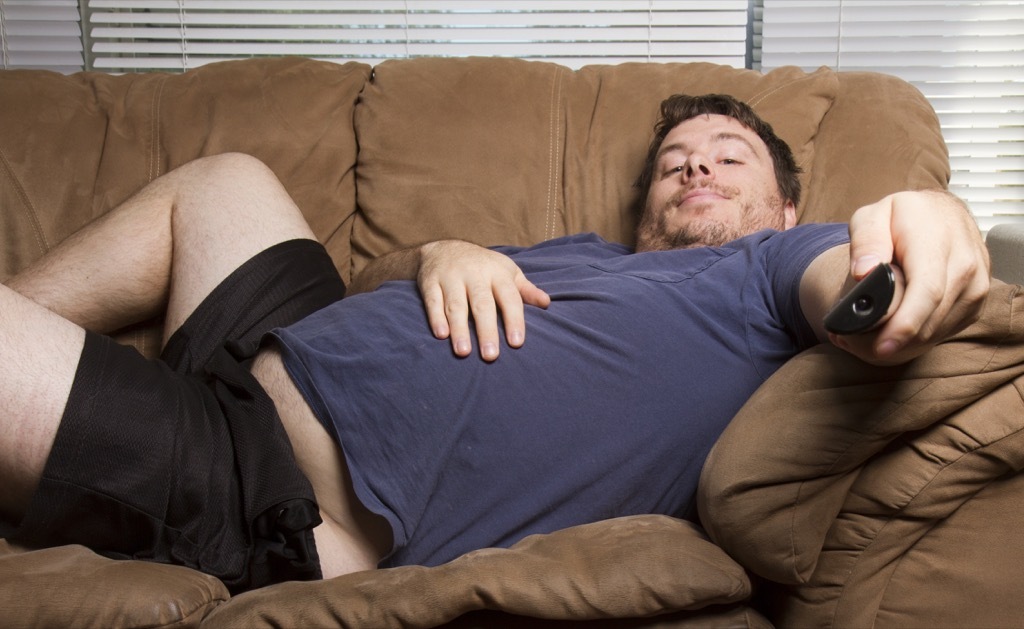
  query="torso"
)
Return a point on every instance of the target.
[{"x": 609, "y": 409}]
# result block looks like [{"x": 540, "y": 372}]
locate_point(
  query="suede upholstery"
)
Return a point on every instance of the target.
[{"x": 827, "y": 485}]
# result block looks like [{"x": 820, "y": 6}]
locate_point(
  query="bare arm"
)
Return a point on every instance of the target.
[
  {"x": 397, "y": 265},
  {"x": 458, "y": 280}
]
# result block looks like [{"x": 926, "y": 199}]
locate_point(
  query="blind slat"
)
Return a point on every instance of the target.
[
  {"x": 420, "y": 18},
  {"x": 40, "y": 34},
  {"x": 605, "y": 6},
  {"x": 682, "y": 36}
]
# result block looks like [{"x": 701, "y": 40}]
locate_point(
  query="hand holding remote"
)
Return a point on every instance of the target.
[{"x": 864, "y": 306}]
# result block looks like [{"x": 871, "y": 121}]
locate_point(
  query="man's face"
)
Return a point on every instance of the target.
[{"x": 713, "y": 182}]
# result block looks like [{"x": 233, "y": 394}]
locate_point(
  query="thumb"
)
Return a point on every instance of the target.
[
  {"x": 870, "y": 238},
  {"x": 530, "y": 294}
]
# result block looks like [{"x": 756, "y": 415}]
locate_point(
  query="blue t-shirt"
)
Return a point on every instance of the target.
[{"x": 609, "y": 408}]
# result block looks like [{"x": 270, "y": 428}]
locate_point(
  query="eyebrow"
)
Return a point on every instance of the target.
[{"x": 721, "y": 136}]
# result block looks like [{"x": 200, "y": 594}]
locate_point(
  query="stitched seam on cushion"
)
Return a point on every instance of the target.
[
  {"x": 554, "y": 129},
  {"x": 154, "y": 130},
  {"x": 33, "y": 216}
]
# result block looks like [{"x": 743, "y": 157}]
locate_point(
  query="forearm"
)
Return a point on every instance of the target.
[
  {"x": 826, "y": 279},
  {"x": 403, "y": 264}
]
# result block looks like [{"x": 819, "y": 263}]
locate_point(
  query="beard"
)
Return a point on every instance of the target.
[{"x": 655, "y": 234}]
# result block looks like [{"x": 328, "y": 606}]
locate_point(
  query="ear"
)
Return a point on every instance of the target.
[{"x": 789, "y": 215}]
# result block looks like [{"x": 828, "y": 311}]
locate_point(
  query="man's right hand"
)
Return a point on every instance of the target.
[{"x": 458, "y": 279}]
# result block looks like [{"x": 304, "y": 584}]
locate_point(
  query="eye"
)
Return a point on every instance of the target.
[
  {"x": 729, "y": 161},
  {"x": 668, "y": 171}
]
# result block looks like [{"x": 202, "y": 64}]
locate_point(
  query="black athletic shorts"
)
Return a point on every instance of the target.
[{"x": 183, "y": 460}]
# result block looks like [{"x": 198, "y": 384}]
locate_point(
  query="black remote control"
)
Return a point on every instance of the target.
[{"x": 865, "y": 305}]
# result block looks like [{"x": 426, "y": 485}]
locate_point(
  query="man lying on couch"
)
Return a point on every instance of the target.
[{"x": 287, "y": 433}]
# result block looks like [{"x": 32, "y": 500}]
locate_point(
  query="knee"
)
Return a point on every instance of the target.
[
  {"x": 231, "y": 180},
  {"x": 240, "y": 168},
  {"x": 238, "y": 195}
]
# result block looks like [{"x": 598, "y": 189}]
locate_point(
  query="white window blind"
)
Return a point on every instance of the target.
[
  {"x": 966, "y": 56},
  {"x": 40, "y": 34},
  {"x": 136, "y": 35}
]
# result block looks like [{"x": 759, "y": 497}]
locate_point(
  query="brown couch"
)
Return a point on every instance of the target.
[{"x": 840, "y": 496}]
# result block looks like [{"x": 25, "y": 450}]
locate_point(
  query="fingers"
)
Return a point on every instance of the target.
[
  {"x": 485, "y": 317},
  {"x": 448, "y": 313},
  {"x": 870, "y": 238},
  {"x": 512, "y": 300},
  {"x": 490, "y": 307},
  {"x": 935, "y": 306},
  {"x": 869, "y": 346},
  {"x": 471, "y": 289}
]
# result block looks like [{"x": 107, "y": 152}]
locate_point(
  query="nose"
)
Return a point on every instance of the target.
[{"x": 697, "y": 165}]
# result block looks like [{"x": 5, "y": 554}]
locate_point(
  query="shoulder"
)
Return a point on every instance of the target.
[{"x": 793, "y": 249}]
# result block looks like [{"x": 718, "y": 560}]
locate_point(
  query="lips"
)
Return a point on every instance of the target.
[{"x": 699, "y": 193}]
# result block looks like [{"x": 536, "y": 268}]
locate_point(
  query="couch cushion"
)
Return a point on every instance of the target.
[
  {"x": 70, "y": 586},
  {"x": 610, "y": 117},
  {"x": 505, "y": 151},
  {"x": 880, "y": 136},
  {"x": 294, "y": 114},
  {"x": 622, "y": 568},
  {"x": 802, "y": 489},
  {"x": 464, "y": 148},
  {"x": 928, "y": 535}
]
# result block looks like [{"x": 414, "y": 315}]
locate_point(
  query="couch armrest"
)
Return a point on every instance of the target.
[
  {"x": 1006, "y": 247},
  {"x": 71, "y": 586}
]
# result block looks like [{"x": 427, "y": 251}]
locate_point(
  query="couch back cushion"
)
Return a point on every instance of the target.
[
  {"x": 611, "y": 112},
  {"x": 880, "y": 136},
  {"x": 504, "y": 151},
  {"x": 72, "y": 147}
]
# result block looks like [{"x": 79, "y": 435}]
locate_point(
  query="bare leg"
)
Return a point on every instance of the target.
[
  {"x": 351, "y": 538},
  {"x": 165, "y": 248},
  {"x": 168, "y": 246},
  {"x": 38, "y": 357}
]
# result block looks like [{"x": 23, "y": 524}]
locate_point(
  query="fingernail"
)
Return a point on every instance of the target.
[
  {"x": 515, "y": 338},
  {"x": 489, "y": 350},
  {"x": 863, "y": 265},
  {"x": 463, "y": 347},
  {"x": 887, "y": 348}
]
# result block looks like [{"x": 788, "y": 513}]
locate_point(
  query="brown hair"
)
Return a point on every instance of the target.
[{"x": 681, "y": 107}]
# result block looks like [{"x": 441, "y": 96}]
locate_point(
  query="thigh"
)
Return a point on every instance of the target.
[{"x": 39, "y": 354}]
